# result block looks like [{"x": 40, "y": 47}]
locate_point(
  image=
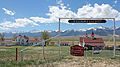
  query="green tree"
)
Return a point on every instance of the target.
[
  {"x": 45, "y": 35},
  {"x": 36, "y": 38},
  {"x": 2, "y": 36},
  {"x": 14, "y": 37}
]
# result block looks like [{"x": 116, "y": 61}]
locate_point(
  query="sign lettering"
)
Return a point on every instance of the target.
[
  {"x": 87, "y": 21},
  {"x": 77, "y": 50}
]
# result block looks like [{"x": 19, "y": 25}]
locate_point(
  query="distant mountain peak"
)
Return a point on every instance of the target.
[
  {"x": 101, "y": 27},
  {"x": 91, "y": 28}
]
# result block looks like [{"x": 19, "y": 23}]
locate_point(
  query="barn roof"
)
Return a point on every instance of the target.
[
  {"x": 22, "y": 36},
  {"x": 33, "y": 41},
  {"x": 64, "y": 42},
  {"x": 90, "y": 41},
  {"x": 18, "y": 36},
  {"x": 26, "y": 37}
]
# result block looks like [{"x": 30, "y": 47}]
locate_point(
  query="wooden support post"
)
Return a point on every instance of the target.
[
  {"x": 43, "y": 43},
  {"x": 21, "y": 55},
  {"x": 114, "y": 37},
  {"x": 16, "y": 53},
  {"x": 59, "y": 39}
]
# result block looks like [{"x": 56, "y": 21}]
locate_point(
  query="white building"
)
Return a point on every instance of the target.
[{"x": 21, "y": 40}]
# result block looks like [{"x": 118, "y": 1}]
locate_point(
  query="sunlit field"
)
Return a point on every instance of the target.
[{"x": 51, "y": 58}]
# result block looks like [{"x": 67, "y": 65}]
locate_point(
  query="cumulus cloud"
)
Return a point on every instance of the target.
[
  {"x": 8, "y": 11},
  {"x": 98, "y": 11},
  {"x": 55, "y": 12},
  {"x": 62, "y": 11},
  {"x": 18, "y": 23},
  {"x": 41, "y": 20},
  {"x": 25, "y": 21},
  {"x": 87, "y": 11},
  {"x": 3, "y": 28},
  {"x": 115, "y": 1}
]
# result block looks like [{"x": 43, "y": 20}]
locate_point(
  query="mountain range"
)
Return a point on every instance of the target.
[{"x": 100, "y": 31}]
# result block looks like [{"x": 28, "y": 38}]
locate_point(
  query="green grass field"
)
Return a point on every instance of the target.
[
  {"x": 77, "y": 38},
  {"x": 35, "y": 58}
]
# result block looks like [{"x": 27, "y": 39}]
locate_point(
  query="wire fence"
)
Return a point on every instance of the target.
[
  {"x": 51, "y": 53},
  {"x": 34, "y": 55}
]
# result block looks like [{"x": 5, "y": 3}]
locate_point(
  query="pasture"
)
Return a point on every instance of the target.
[{"x": 51, "y": 58}]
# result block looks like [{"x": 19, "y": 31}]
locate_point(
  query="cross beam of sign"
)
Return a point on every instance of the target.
[{"x": 87, "y": 21}]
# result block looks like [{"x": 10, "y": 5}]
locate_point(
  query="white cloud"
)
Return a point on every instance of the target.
[
  {"x": 41, "y": 20},
  {"x": 98, "y": 11},
  {"x": 8, "y": 11},
  {"x": 18, "y": 23},
  {"x": 25, "y": 21},
  {"x": 87, "y": 11},
  {"x": 32, "y": 26},
  {"x": 115, "y": 1},
  {"x": 3, "y": 28},
  {"x": 55, "y": 12}
]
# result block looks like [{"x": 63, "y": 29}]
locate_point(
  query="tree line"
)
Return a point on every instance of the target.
[{"x": 44, "y": 35}]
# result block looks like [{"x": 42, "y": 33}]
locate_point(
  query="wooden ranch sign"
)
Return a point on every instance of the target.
[{"x": 77, "y": 50}]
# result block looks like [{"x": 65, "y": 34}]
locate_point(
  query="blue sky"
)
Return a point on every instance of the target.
[{"x": 26, "y": 15}]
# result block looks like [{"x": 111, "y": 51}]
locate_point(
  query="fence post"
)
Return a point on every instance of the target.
[
  {"x": 43, "y": 43},
  {"x": 16, "y": 54},
  {"x": 21, "y": 55}
]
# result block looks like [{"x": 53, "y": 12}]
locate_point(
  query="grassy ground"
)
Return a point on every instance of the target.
[
  {"x": 77, "y": 38},
  {"x": 51, "y": 58}
]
